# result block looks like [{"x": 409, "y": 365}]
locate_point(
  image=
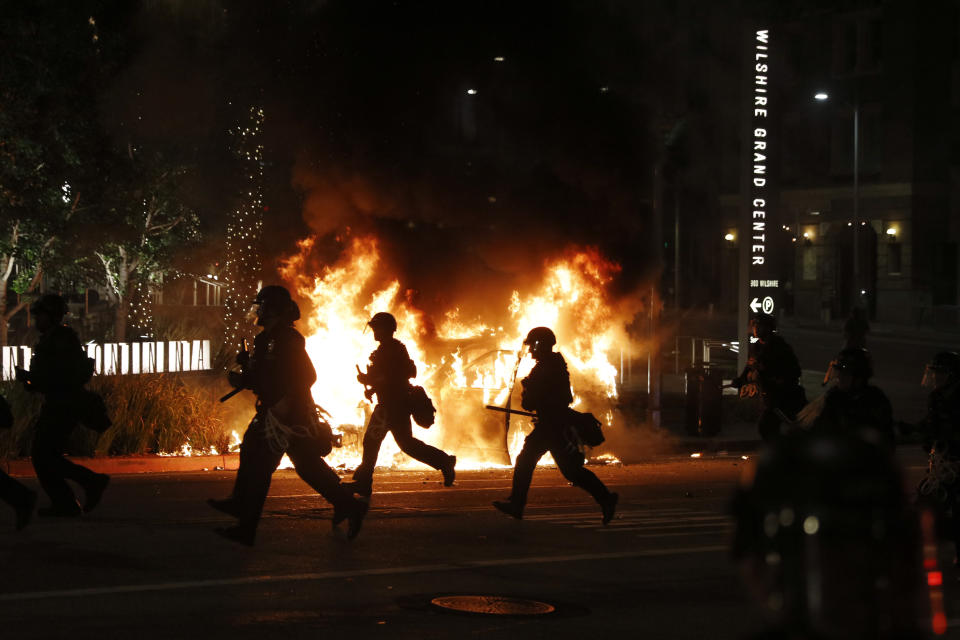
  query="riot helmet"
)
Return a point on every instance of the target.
[
  {"x": 540, "y": 340},
  {"x": 763, "y": 325},
  {"x": 943, "y": 368},
  {"x": 274, "y": 301},
  {"x": 383, "y": 321},
  {"x": 50, "y": 304},
  {"x": 856, "y": 361}
]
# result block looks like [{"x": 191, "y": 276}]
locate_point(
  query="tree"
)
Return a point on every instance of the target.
[
  {"x": 244, "y": 231},
  {"x": 46, "y": 125},
  {"x": 148, "y": 223}
]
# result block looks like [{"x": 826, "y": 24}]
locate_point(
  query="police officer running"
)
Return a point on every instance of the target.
[
  {"x": 547, "y": 392},
  {"x": 280, "y": 373},
  {"x": 58, "y": 370},
  {"x": 22, "y": 499},
  {"x": 388, "y": 376},
  {"x": 855, "y": 405},
  {"x": 940, "y": 429},
  {"x": 774, "y": 371}
]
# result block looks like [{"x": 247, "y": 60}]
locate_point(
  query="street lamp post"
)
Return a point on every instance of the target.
[{"x": 823, "y": 96}]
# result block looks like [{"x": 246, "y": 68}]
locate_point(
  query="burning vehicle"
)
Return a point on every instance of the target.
[{"x": 463, "y": 364}]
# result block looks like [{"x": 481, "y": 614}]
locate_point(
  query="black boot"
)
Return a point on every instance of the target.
[
  {"x": 25, "y": 510},
  {"x": 449, "y": 471},
  {"x": 239, "y": 534},
  {"x": 608, "y": 506},
  {"x": 95, "y": 492},
  {"x": 510, "y": 508},
  {"x": 228, "y": 506}
]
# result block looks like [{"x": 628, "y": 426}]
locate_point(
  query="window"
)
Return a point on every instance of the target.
[
  {"x": 809, "y": 263},
  {"x": 894, "y": 258},
  {"x": 857, "y": 45}
]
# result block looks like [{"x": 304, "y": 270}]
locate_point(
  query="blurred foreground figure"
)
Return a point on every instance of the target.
[
  {"x": 280, "y": 373},
  {"x": 22, "y": 499},
  {"x": 854, "y": 405},
  {"x": 58, "y": 370},
  {"x": 827, "y": 540},
  {"x": 546, "y": 391},
  {"x": 773, "y": 371},
  {"x": 940, "y": 489},
  {"x": 388, "y": 376}
]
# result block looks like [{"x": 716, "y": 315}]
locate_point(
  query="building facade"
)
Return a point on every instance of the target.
[{"x": 887, "y": 74}]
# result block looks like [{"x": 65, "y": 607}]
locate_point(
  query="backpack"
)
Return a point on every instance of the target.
[
  {"x": 421, "y": 407},
  {"x": 92, "y": 411},
  {"x": 587, "y": 428}
]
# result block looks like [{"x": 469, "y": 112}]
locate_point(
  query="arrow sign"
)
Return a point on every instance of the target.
[{"x": 754, "y": 305}]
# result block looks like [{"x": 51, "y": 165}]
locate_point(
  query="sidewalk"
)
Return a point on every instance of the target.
[
  {"x": 738, "y": 437},
  {"x": 136, "y": 464}
]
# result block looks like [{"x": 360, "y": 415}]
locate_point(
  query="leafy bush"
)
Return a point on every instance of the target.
[{"x": 160, "y": 413}]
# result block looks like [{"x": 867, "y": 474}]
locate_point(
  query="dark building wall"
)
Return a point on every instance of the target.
[{"x": 897, "y": 62}]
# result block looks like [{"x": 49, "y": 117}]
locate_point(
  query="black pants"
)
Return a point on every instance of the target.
[
  {"x": 54, "y": 426},
  {"x": 569, "y": 460},
  {"x": 12, "y": 492},
  {"x": 258, "y": 461},
  {"x": 789, "y": 402},
  {"x": 396, "y": 421}
]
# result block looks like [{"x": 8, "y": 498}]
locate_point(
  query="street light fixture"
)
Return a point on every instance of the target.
[{"x": 858, "y": 293}]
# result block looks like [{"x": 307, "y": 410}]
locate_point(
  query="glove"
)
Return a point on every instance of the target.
[
  {"x": 235, "y": 378},
  {"x": 243, "y": 358}
]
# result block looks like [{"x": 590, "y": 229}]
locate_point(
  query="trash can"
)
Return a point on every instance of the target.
[{"x": 704, "y": 392}]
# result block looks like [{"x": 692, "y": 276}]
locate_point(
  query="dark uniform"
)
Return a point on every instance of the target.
[
  {"x": 546, "y": 391},
  {"x": 940, "y": 429},
  {"x": 854, "y": 406},
  {"x": 57, "y": 372},
  {"x": 827, "y": 539},
  {"x": 775, "y": 370},
  {"x": 280, "y": 373},
  {"x": 12, "y": 492},
  {"x": 388, "y": 375},
  {"x": 865, "y": 409}
]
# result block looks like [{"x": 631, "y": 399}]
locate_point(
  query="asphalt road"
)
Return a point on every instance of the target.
[{"x": 146, "y": 564}]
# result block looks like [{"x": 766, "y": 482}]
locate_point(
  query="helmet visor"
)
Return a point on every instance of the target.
[{"x": 931, "y": 377}]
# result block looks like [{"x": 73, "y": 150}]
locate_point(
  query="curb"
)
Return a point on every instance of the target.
[
  {"x": 712, "y": 445},
  {"x": 230, "y": 462},
  {"x": 137, "y": 464}
]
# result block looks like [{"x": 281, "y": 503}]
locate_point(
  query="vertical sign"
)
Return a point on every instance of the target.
[{"x": 758, "y": 290}]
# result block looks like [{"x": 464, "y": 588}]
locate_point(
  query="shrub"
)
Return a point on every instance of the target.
[{"x": 160, "y": 413}]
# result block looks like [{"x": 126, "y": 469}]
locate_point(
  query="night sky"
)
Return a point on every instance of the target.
[{"x": 372, "y": 123}]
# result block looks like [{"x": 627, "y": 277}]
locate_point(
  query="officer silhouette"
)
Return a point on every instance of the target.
[
  {"x": 280, "y": 373},
  {"x": 940, "y": 430},
  {"x": 854, "y": 404},
  {"x": 774, "y": 371},
  {"x": 827, "y": 541},
  {"x": 388, "y": 376},
  {"x": 547, "y": 392},
  {"x": 22, "y": 499},
  {"x": 58, "y": 370}
]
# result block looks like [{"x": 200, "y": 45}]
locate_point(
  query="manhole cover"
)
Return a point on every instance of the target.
[{"x": 494, "y": 605}]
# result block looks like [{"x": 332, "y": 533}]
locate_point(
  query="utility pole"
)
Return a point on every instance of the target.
[
  {"x": 676, "y": 245},
  {"x": 654, "y": 364}
]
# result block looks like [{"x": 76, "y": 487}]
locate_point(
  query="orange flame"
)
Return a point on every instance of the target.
[{"x": 478, "y": 357}]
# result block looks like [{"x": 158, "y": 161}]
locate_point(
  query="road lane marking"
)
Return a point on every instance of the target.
[{"x": 329, "y": 575}]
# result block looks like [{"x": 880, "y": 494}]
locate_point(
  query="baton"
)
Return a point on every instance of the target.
[
  {"x": 231, "y": 394},
  {"x": 511, "y": 411}
]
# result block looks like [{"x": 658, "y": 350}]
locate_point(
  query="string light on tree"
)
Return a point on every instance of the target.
[
  {"x": 245, "y": 229},
  {"x": 140, "y": 314}
]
